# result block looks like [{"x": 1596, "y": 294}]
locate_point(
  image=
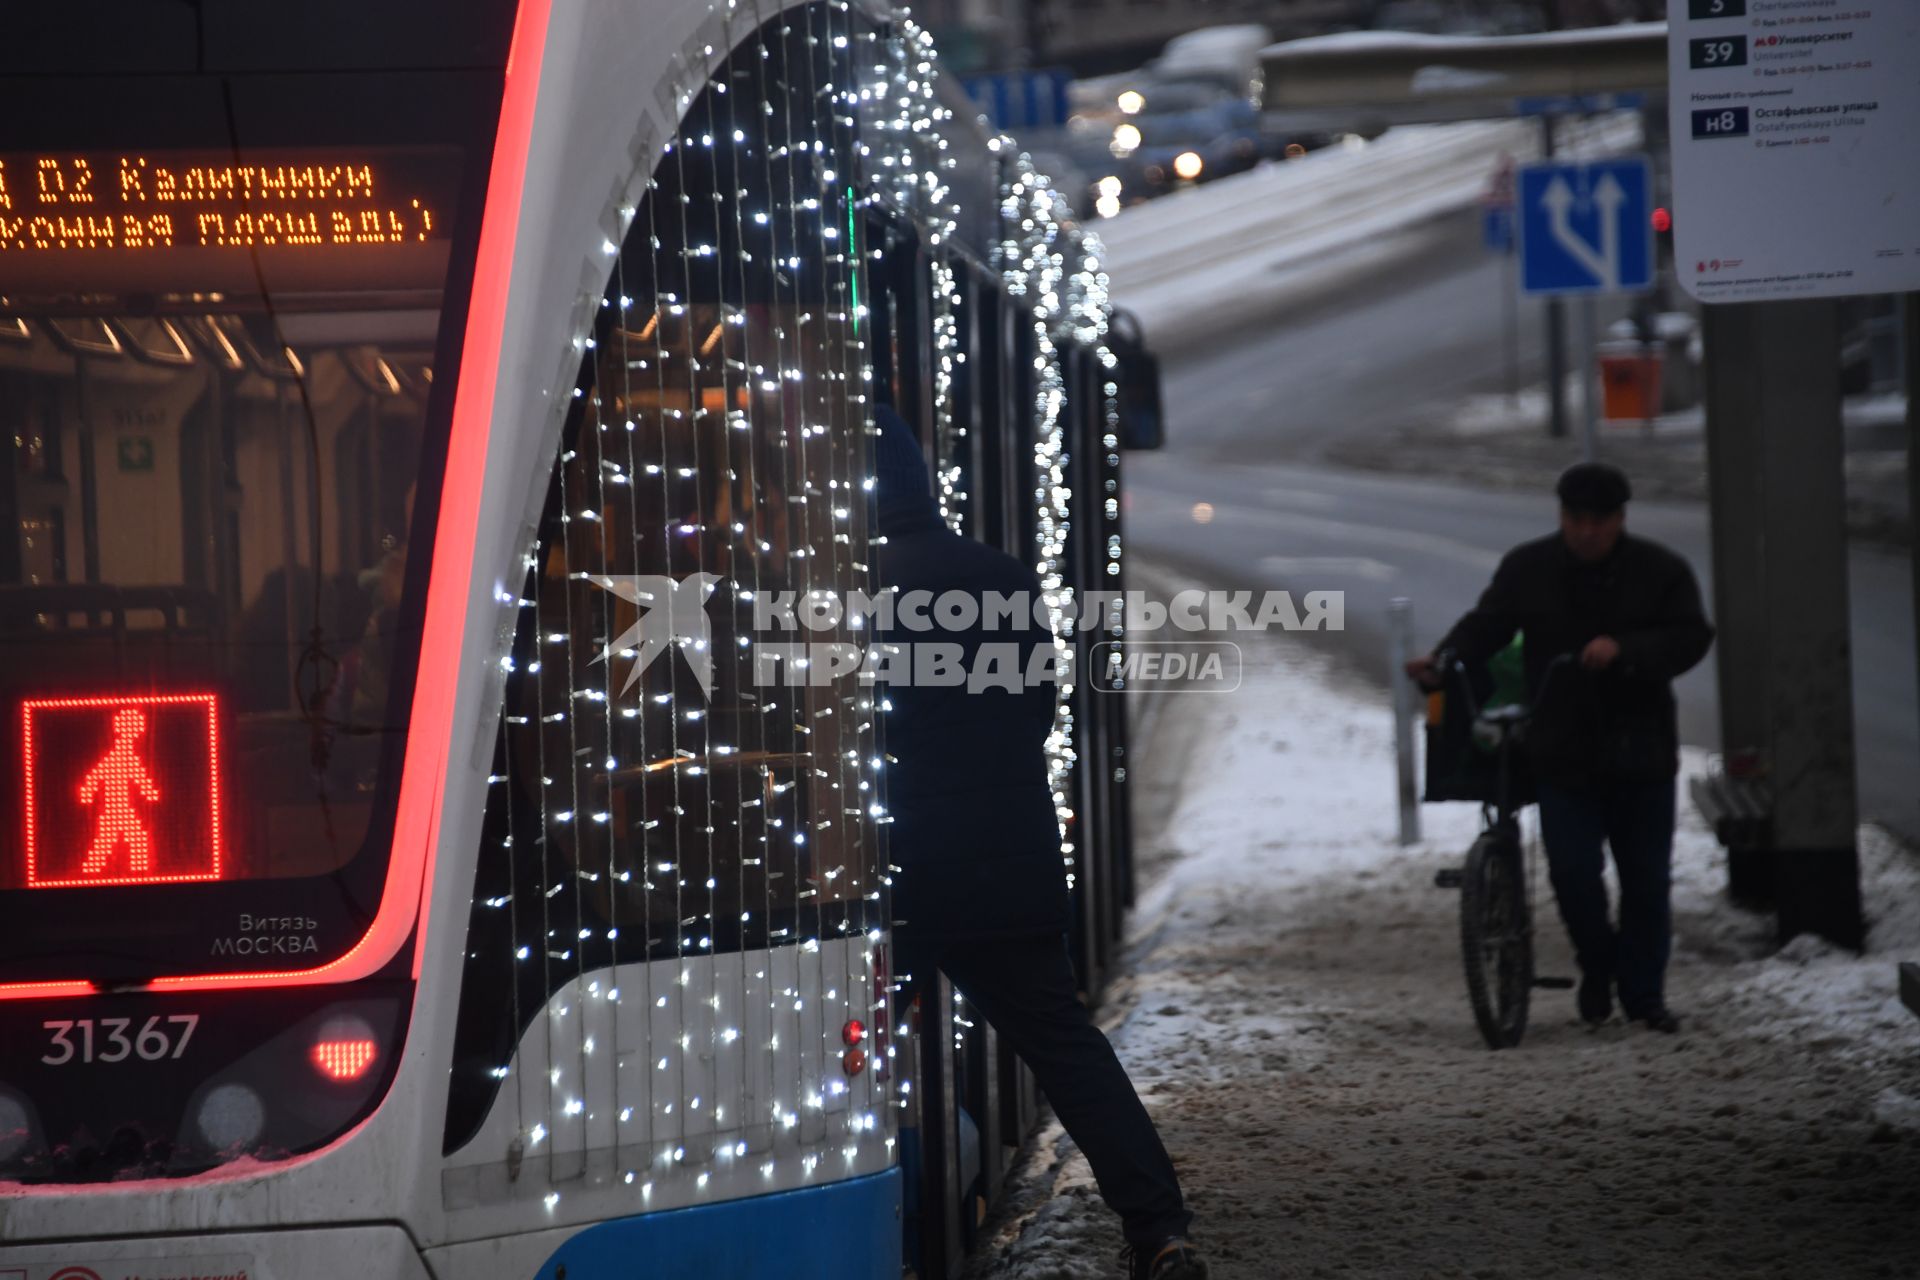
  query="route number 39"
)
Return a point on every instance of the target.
[
  {"x": 1717, "y": 51},
  {"x": 108, "y": 1039}
]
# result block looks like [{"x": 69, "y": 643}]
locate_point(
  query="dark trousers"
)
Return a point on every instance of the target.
[
  {"x": 1024, "y": 986},
  {"x": 1635, "y": 819}
]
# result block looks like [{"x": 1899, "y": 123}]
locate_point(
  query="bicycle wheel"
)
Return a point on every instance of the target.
[{"x": 1496, "y": 938}]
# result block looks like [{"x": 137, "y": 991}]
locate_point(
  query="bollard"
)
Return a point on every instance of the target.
[{"x": 1399, "y": 649}]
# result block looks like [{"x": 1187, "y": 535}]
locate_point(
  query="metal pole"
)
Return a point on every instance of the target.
[
  {"x": 1910, "y": 373},
  {"x": 1556, "y": 329},
  {"x": 1399, "y": 649},
  {"x": 1589, "y": 408},
  {"x": 1510, "y": 320}
]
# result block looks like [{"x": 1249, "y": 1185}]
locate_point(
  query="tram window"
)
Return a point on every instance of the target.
[
  {"x": 1017, "y": 429},
  {"x": 214, "y": 443},
  {"x": 900, "y": 279},
  {"x": 986, "y": 385},
  {"x": 182, "y": 526},
  {"x": 658, "y": 796}
]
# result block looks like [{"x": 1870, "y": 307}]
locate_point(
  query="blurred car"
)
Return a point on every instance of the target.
[
  {"x": 1184, "y": 129},
  {"x": 1227, "y": 54}
]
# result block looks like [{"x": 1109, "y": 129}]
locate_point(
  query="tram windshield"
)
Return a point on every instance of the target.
[{"x": 221, "y": 445}]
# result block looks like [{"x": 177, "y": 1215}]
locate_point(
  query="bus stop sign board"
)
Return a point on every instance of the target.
[{"x": 1793, "y": 148}]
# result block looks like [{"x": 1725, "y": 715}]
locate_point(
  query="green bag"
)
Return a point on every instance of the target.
[
  {"x": 1458, "y": 766},
  {"x": 1508, "y": 671}
]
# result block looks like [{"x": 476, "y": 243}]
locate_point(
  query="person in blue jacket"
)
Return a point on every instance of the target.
[{"x": 981, "y": 891}]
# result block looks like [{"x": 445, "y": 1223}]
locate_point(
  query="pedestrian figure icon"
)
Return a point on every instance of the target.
[
  {"x": 121, "y": 789},
  {"x": 111, "y": 786}
]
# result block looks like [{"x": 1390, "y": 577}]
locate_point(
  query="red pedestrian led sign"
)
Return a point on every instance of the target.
[{"x": 121, "y": 790}]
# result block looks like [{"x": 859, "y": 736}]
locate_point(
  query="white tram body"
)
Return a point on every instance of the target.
[{"x": 441, "y": 935}]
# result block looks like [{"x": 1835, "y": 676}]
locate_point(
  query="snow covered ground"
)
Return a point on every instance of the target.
[
  {"x": 1228, "y": 251},
  {"x": 1293, "y": 1013}
]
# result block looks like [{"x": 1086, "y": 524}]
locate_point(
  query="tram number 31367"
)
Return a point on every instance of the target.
[{"x": 112, "y": 1039}]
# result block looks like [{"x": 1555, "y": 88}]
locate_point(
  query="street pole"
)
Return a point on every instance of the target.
[
  {"x": 1910, "y": 360},
  {"x": 1583, "y": 346},
  {"x": 1399, "y": 649},
  {"x": 1510, "y": 320},
  {"x": 1556, "y": 329},
  {"x": 1777, "y": 505}
]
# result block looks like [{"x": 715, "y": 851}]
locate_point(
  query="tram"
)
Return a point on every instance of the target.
[{"x": 386, "y": 887}]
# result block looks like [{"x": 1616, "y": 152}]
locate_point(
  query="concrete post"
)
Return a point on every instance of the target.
[
  {"x": 1399, "y": 649},
  {"x": 1778, "y": 506}
]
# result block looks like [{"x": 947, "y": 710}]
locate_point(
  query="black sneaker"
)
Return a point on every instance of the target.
[
  {"x": 1659, "y": 1020},
  {"x": 1174, "y": 1259},
  {"x": 1596, "y": 1000}
]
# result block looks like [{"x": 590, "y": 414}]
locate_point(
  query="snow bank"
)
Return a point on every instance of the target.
[{"x": 1215, "y": 255}]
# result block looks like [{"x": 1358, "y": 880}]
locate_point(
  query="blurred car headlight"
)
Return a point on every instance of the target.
[
  {"x": 1108, "y": 186},
  {"x": 1107, "y": 206},
  {"x": 1126, "y": 139},
  {"x": 1188, "y": 165},
  {"x": 1132, "y": 101}
]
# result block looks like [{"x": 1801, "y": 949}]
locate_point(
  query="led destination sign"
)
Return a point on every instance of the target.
[{"x": 371, "y": 218}]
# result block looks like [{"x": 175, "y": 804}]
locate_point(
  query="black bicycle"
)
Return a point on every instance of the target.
[{"x": 1496, "y": 904}]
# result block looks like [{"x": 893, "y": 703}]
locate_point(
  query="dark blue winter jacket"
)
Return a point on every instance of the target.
[{"x": 974, "y": 831}]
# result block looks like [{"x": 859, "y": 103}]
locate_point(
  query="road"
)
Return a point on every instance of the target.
[{"x": 1248, "y": 418}]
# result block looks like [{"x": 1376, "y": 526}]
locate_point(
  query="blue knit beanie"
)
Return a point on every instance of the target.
[{"x": 899, "y": 468}]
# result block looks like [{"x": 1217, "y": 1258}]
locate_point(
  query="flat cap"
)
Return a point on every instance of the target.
[{"x": 1593, "y": 488}]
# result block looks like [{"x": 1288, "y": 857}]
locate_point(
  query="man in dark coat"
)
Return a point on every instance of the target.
[
  {"x": 1603, "y": 744},
  {"x": 981, "y": 892}
]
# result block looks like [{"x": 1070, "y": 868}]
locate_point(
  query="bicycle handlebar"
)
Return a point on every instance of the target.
[{"x": 1455, "y": 667}]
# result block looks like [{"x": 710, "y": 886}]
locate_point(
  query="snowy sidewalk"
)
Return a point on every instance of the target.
[{"x": 1293, "y": 1014}]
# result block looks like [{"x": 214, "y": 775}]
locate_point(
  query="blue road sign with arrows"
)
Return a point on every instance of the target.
[{"x": 1586, "y": 227}]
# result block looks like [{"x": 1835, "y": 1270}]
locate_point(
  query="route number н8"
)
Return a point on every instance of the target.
[{"x": 112, "y": 1039}]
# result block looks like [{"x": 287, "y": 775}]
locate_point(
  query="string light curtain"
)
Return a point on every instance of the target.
[
  {"x": 1053, "y": 269},
  {"x": 690, "y": 867}
]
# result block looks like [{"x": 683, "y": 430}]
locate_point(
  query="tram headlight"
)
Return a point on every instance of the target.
[
  {"x": 16, "y": 1126},
  {"x": 232, "y": 1116}
]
